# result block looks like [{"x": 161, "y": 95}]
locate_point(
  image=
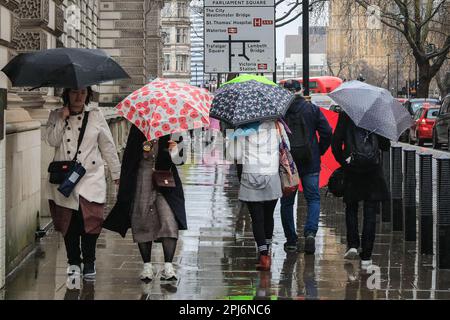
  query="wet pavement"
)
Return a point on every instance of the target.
[{"x": 216, "y": 257}]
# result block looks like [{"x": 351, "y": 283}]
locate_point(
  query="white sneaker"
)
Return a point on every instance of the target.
[
  {"x": 147, "y": 272},
  {"x": 168, "y": 273},
  {"x": 351, "y": 254},
  {"x": 365, "y": 264},
  {"x": 73, "y": 270}
]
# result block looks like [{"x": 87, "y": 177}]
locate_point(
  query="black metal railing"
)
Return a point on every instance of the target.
[{"x": 422, "y": 220}]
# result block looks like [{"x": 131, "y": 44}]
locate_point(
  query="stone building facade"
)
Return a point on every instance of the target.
[
  {"x": 177, "y": 40},
  {"x": 130, "y": 33},
  {"x": 355, "y": 47}
]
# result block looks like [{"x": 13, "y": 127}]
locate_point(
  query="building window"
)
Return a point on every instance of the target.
[
  {"x": 166, "y": 11},
  {"x": 181, "y": 63},
  {"x": 182, "y": 10},
  {"x": 166, "y": 62},
  {"x": 182, "y": 35},
  {"x": 165, "y": 34}
]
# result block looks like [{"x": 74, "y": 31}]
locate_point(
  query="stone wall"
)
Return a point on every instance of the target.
[
  {"x": 7, "y": 22},
  {"x": 2, "y": 213},
  {"x": 23, "y": 195}
]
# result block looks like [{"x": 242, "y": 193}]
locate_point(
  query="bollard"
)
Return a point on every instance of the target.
[
  {"x": 396, "y": 189},
  {"x": 409, "y": 195},
  {"x": 426, "y": 203},
  {"x": 443, "y": 213},
  {"x": 386, "y": 205}
]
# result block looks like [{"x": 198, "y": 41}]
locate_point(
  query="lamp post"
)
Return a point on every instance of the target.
[
  {"x": 283, "y": 69},
  {"x": 305, "y": 16},
  {"x": 295, "y": 70}
]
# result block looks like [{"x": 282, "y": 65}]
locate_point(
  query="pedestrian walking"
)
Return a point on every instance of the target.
[
  {"x": 80, "y": 134},
  {"x": 310, "y": 138},
  {"x": 358, "y": 152},
  {"x": 155, "y": 213},
  {"x": 260, "y": 184}
]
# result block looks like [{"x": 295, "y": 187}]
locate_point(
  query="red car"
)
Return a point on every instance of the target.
[{"x": 422, "y": 129}]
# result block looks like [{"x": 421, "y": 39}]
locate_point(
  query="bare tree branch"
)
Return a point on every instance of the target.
[
  {"x": 311, "y": 6},
  {"x": 289, "y": 12}
]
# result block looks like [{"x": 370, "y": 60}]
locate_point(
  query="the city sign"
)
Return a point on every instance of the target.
[{"x": 239, "y": 36}]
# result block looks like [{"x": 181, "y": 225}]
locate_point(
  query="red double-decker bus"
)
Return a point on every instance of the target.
[{"x": 323, "y": 84}]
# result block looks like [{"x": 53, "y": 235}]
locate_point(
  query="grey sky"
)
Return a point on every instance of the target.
[{"x": 292, "y": 28}]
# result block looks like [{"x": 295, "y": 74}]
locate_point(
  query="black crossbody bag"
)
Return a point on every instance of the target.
[{"x": 61, "y": 170}]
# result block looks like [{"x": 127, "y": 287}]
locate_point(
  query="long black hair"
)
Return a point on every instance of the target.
[{"x": 66, "y": 100}]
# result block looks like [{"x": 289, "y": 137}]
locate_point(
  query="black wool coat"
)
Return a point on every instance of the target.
[
  {"x": 119, "y": 219},
  {"x": 369, "y": 185}
]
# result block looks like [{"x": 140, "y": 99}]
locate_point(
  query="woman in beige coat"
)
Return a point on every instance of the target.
[{"x": 80, "y": 216}]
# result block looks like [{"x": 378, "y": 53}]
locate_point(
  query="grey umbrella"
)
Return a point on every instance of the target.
[
  {"x": 372, "y": 108},
  {"x": 63, "y": 68}
]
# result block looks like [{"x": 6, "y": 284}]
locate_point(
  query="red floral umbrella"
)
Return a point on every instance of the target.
[{"x": 165, "y": 106}]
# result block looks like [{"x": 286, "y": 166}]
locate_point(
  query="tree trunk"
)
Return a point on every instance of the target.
[{"x": 424, "y": 79}]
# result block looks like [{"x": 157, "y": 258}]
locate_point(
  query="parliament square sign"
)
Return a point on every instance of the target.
[{"x": 239, "y": 36}]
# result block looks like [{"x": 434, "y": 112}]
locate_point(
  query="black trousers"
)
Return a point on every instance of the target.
[
  {"x": 369, "y": 227},
  {"x": 262, "y": 221},
  {"x": 74, "y": 234}
]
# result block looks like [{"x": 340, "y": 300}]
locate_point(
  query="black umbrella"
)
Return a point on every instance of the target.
[{"x": 63, "y": 68}]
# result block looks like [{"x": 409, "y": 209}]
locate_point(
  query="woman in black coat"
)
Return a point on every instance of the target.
[
  {"x": 368, "y": 186},
  {"x": 153, "y": 213}
]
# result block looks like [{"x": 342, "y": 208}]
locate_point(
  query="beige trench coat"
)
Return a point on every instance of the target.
[{"x": 96, "y": 148}]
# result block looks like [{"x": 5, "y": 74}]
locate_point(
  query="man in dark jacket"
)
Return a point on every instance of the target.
[{"x": 309, "y": 172}]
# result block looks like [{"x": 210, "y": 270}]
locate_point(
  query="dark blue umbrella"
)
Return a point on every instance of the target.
[
  {"x": 250, "y": 101},
  {"x": 63, "y": 68}
]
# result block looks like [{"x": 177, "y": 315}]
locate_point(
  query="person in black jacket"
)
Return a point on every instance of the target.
[
  {"x": 153, "y": 213},
  {"x": 314, "y": 123},
  {"x": 368, "y": 186}
]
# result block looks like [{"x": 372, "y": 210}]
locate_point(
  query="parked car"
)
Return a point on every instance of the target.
[
  {"x": 422, "y": 129},
  {"x": 412, "y": 105},
  {"x": 402, "y": 100},
  {"x": 441, "y": 130}
]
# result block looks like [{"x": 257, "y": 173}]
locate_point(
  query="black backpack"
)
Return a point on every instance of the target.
[
  {"x": 299, "y": 139},
  {"x": 363, "y": 147}
]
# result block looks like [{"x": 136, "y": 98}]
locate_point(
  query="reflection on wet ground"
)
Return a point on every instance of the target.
[{"x": 216, "y": 258}]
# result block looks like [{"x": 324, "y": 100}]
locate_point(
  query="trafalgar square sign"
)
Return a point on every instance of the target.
[{"x": 239, "y": 36}]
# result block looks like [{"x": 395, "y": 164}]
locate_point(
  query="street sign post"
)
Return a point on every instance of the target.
[{"x": 239, "y": 36}]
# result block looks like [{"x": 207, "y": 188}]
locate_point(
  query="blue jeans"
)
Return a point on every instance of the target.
[{"x": 310, "y": 183}]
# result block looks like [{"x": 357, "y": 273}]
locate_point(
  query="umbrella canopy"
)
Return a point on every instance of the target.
[
  {"x": 249, "y": 77},
  {"x": 63, "y": 68},
  {"x": 250, "y": 101},
  {"x": 372, "y": 108},
  {"x": 164, "y": 107}
]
